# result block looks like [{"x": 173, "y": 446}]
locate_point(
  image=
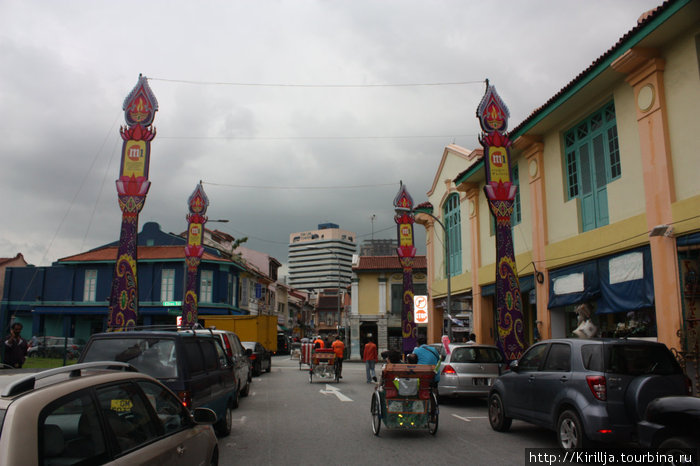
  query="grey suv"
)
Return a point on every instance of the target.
[
  {"x": 585, "y": 390},
  {"x": 192, "y": 363}
]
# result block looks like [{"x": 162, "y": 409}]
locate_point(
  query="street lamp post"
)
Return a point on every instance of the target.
[{"x": 447, "y": 270}]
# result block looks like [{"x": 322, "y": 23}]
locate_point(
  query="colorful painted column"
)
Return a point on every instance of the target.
[
  {"x": 403, "y": 206},
  {"x": 500, "y": 192},
  {"x": 140, "y": 107},
  {"x": 198, "y": 203}
]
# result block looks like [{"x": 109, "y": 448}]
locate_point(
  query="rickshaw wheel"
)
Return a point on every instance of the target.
[
  {"x": 433, "y": 415},
  {"x": 376, "y": 410}
]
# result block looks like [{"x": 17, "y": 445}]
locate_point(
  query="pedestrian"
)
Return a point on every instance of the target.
[
  {"x": 392, "y": 355},
  {"x": 318, "y": 343},
  {"x": 369, "y": 356},
  {"x": 339, "y": 350},
  {"x": 15, "y": 347},
  {"x": 472, "y": 339},
  {"x": 427, "y": 355}
]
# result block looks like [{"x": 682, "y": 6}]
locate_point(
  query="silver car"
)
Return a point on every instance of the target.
[
  {"x": 469, "y": 370},
  {"x": 90, "y": 414}
]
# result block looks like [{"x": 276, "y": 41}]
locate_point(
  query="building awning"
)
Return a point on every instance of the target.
[
  {"x": 575, "y": 284},
  {"x": 526, "y": 284},
  {"x": 618, "y": 283},
  {"x": 626, "y": 282}
]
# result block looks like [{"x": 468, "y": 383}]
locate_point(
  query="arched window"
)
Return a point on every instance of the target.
[{"x": 453, "y": 228}]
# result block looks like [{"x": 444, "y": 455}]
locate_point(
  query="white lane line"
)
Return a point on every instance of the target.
[
  {"x": 331, "y": 390},
  {"x": 469, "y": 419}
]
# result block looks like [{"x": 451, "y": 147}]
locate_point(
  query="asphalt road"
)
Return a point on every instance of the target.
[{"x": 287, "y": 420}]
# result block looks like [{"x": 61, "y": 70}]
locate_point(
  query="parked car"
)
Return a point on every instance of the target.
[
  {"x": 282, "y": 344},
  {"x": 469, "y": 370},
  {"x": 53, "y": 347},
  {"x": 260, "y": 358},
  {"x": 672, "y": 422},
  {"x": 240, "y": 358},
  {"x": 586, "y": 390},
  {"x": 86, "y": 414},
  {"x": 192, "y": 363}
]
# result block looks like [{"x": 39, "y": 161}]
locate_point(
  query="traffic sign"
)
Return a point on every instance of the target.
[{"x": 420, "y": 309}]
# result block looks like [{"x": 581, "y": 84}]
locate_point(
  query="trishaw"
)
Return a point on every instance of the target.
[
  {"x": 323, "y": 365},
  {"x": 404, "y": 399}
]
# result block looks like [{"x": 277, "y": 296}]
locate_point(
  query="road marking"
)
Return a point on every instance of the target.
[
  {"x": 334, "y": 391},
  {"x": 469, "y": 419}
]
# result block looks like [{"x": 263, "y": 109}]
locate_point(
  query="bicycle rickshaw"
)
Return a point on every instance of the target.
[
  {"x": 323, "y": 365},
  {"x": 404, "y": 399}
]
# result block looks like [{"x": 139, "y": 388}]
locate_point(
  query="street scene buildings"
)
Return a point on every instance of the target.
[{"x": 606, "y": 214}]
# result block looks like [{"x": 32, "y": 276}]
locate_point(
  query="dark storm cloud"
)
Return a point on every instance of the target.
[{"x": 67, "y": 67}]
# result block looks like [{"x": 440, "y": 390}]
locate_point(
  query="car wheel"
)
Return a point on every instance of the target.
[
  {"x": 246, "y": 389},
  {"x": 223, "y": 427},
  {"x": 570, "y": 432},
  {"x": 376, "y": 411},
  {"x": 497, "y": 414},
  {"x": 679, "y": 444}
]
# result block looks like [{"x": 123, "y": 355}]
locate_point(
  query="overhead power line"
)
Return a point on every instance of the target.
[
  {"x": 289, "y": 138},
  {"x": 363, "y": 186},
  {"x": 252, "y": 84}
]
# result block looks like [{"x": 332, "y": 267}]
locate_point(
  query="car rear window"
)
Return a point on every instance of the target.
[
  {"x": 592, "y": 356},
  {"x": 640, "y": 359},
  {"x": 155, "y": 356},
  {"x": 476, "y": 355},
  {"x": 193, "y": 356}
]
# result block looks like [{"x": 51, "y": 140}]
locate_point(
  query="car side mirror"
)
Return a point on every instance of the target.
[
  {"x": 513, "y": 366},
  {"x": 204, "y": 416}
]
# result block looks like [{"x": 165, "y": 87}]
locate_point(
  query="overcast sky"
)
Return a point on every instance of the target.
[{"x": 292, "y": 113}]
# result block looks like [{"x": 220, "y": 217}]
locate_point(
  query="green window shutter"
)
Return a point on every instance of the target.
[
  {"x": 592, "y": 160},
  {"x": 453, "y": 227}
]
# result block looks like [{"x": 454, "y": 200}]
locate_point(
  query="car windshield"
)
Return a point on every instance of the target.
[
  {"x": 153, "y": 356},
  {"x": 476, "y": 355},
  {"x": 248, "y": 345},
  {"x": 640, "y": 359}
]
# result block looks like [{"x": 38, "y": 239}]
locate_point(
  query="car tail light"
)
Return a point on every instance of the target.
[
  {"x": 185, "y": 398},
  {"x": 252, "y": 357},
  {"x": 449, "y": 370},
  {"x": 598, "y": 386},
  {"x": 228, "y": 347}
]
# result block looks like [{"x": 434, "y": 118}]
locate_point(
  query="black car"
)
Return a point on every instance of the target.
[
  {"x": 192, "y": 363},
  {"x": 671, "y": 422},
  {"x": 586, "y": 390},
  {"x": 260, "y": 358}
]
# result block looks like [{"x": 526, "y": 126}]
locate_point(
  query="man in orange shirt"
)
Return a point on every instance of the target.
[
  {"x": 339, "y": 350},
  {"x": 318, "y": 342},
  {"x": 369, "y": 356}
]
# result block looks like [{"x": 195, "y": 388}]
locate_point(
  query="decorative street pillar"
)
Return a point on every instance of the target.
[
  {"x": 139, "y": 108},
  {"x": 500, "y": 192},
  {"x": 403, "y": 206},
  {"x": 198, "y": 203}
]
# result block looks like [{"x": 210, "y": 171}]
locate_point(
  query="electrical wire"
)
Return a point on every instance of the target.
[
  {"x": 315, "y": 138},
  {"x": 365, "y": 186},
  {"x": 311, "y": 86}
]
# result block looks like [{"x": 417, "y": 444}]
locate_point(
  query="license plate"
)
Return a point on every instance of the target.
[{"x": 481, "y": 381}]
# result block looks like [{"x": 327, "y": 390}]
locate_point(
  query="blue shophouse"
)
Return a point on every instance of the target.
[{"x": 71, "y": 297}]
